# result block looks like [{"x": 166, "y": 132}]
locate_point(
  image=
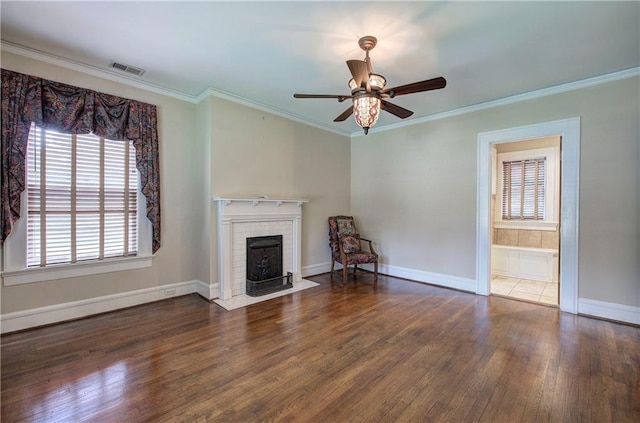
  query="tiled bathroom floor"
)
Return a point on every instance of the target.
[{"x": 525, "y": 289}]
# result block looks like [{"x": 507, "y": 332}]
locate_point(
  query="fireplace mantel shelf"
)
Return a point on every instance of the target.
[{"x": 257, "y": 200}]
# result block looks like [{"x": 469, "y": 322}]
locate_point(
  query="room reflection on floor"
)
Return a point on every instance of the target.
[
  {"x": 89, "y": 395},
  {"x": 524, "y": 289}
]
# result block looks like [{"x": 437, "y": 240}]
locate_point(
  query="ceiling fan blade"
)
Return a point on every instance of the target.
[
  {"x": 340, "y": 97},
  {"x": 401, "y": 112},
  {"x": 416, "y": 87},
  {"x": 344, "y": 115},
  {"x": 359, "y": 70}
]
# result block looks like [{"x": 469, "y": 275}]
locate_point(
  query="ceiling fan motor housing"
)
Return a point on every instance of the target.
[{"x": 368, "y": 42}]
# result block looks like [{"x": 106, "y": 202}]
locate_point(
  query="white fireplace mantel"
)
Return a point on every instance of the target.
[
  {"x": 243, "y": 217},
  {"x": 258, "y": 200}
]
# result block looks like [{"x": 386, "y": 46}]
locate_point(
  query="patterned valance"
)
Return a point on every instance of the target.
[{"x": 68, "y": 109}]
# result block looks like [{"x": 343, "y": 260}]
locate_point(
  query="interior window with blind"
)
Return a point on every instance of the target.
[
  {"x": 523, "y": 189},
  {"x": 82, "y": 198}
]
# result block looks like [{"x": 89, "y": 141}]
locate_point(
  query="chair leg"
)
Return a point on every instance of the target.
[
  {"x": 375, "y": 273},
  {"x": 332, "y": 265},
  {"x": 344, "y": 274}
]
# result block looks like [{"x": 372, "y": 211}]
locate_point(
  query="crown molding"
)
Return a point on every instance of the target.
[
  {"x": 215, "y": 92},
  {"x": 92, "y": 70},
  {"x": 147, "y": 86},
  {"x": 225, "y": 95},
  {"x": 576, "y": 85}
]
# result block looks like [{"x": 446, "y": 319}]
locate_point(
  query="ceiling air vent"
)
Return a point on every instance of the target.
[{"x": 127, "y": 68}]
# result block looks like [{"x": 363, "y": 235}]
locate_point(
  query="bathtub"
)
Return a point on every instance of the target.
[{"x": 539, "y": 264}]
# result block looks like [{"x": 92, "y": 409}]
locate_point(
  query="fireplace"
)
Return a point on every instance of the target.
[
  {"x": 264, "y": 266},
  {"x": 239, "y": 219}
]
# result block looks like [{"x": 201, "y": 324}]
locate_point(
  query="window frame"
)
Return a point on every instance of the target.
[
  {"x": 552, "y": 174},
  {"x": 14, "y": 252}
]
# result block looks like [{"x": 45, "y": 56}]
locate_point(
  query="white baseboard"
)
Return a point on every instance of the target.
[
  {"x": 316, "y": 269},
  {"x": 10, "y": 322},
  {"x": 611, "y": 311},
  {"x": 447, "y": 281},
  {"x": 209, "y": 292},
  {"x": 19, "y": 320}
]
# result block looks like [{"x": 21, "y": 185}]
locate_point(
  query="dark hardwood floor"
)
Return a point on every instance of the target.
[{"x": 401, "y": 351}]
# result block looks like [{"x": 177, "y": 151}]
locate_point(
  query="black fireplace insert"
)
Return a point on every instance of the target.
[{"x": 264, "y": 266}]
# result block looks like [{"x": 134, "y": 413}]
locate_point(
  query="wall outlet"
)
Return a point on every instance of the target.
[{"x": 169, "y": 292}]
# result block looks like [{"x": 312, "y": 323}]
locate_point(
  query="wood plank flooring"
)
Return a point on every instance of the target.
[{"x": 398, "y": 352}]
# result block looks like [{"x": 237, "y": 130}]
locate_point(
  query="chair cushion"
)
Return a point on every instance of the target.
[
  {"x": 350, "y": 244},
  {"x": 346, "y": 227},
  {"x": 361, "y": 257}
]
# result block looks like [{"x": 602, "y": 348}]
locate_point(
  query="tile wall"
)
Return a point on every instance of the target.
[{"x": 526, "y": 238}]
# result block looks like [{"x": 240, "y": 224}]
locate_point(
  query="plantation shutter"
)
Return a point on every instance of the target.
[
  {"x": 523, "y": 189},
  {"x": 82, "y": 198}
]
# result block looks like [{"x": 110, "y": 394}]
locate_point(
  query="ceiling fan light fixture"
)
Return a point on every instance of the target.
[
  {"x": 366, "y": 109},
  {"x": 377, "y": 82},
  {"x": 368, "y": 89}
]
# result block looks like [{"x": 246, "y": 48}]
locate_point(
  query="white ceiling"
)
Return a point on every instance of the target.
[{"x": 264, "y": 51}]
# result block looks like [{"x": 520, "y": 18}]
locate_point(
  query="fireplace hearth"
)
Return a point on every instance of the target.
[{"x": 264, "y": 266}]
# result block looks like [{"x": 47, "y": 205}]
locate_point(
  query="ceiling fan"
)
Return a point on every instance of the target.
[{"x": 369, "y": 93}]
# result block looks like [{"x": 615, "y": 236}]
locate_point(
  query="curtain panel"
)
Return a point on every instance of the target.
[{"x": 73, "y": 110}]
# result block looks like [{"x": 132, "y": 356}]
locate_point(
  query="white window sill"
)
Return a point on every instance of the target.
[
  {"x": 64, "y": 271},
  {"x": 526, "y": 224}
]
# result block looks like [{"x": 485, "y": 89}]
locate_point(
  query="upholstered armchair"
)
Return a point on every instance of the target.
[{"x": 346, "y": 247}]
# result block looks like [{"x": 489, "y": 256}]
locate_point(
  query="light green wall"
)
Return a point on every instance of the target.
[
  {"x": 202, "y": 233},
  {"x": 414, "y": 188},
  {"x": 256, "y": 153}
]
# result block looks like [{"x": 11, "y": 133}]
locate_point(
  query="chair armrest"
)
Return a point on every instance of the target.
[{"x": 370, "y": 246}]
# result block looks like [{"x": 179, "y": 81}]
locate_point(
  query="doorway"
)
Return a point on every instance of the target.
[
  {"x": 524, "y": 216},
  {"x": 569, "y": 131}
]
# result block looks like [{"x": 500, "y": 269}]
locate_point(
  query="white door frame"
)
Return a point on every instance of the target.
[{"x": 569, "y": 130}]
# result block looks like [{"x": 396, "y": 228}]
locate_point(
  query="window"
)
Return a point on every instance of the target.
[
  {"x": 523, "y": 189},
  {"x": 76, "y": 219},
  {"x": 82, "y": 198},
  {"x": 527, "y": 189}
]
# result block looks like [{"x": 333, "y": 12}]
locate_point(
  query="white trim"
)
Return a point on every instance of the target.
[
  {"x": 149, "y": 86},
  {"x": 20, "y": 320},
  {"x": 526, "y": 224},
  {"x": 93, "y": 70},
  {"x": 209, "y": 292},
  {"x": 439, "y": 279},
  {"x": 64, "y": 271},
  {"x": 551, "y": 209},
  {"x": 569, "y": 129},
  {"x": 257, "y": 200},
  {"x": 557, "y": 89},
  {"x": 214, "y": 92},
  {"x": 612, "y": 311},
  {"x": 423, "y": 276},
  {"x": 316, "y": 269}
]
